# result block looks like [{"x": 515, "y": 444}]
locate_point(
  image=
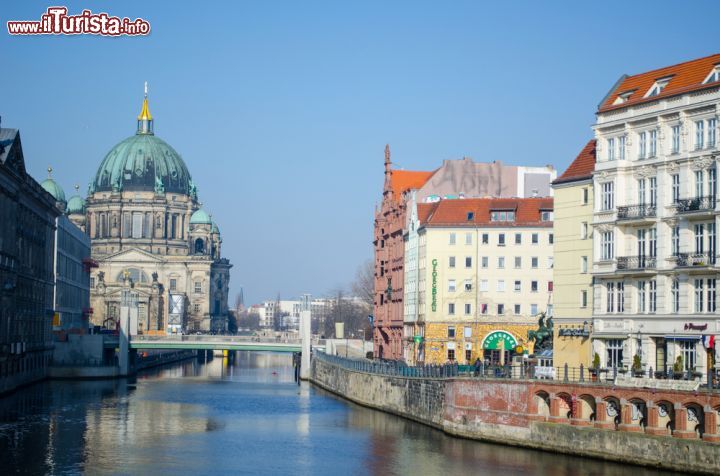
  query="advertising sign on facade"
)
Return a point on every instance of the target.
[
  {"x": 499, "y": 340},
  {"x": 175, "y": 314},
  {"x": 434, "y": 286}
]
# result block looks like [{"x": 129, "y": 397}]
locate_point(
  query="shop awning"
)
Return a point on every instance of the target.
[{"x": 683, "y": 338}]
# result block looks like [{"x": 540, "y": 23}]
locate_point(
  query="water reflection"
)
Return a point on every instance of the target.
[{"x": 237, "y": 415}]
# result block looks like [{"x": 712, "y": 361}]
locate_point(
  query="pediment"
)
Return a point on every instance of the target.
[{"x": 132, "y": 256}]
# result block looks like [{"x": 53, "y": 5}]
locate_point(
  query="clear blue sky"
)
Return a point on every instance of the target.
[{"x": 281, "y": 110}]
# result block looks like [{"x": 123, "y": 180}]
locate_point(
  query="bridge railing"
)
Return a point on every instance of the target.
[
  {"x": 617, "y": 376},
  {"x": 213, "y": 338}
]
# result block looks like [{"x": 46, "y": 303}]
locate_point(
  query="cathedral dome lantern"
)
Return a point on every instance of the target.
[
  {"x": 54, "y": 189},
  {"x": 143, "y": 162},
  {"x": 76, "y": 204}
]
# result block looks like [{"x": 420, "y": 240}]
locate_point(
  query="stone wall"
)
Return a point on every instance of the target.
[{"x": 509, "y": 412}]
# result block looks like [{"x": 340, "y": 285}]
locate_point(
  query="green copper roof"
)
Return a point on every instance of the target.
[
  {"x": 215, "y": 228},
  {"x": 143, "y": 162},
  {"x": 76, "y": 205},
  {"x": 54, "y": 189},
  {"x": 200, "y": 217}
]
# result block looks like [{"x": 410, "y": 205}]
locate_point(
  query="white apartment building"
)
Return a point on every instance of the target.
[{"x": 656, "y": 218}]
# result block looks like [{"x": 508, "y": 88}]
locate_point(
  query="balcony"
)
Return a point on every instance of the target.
[
  {"x": 694, "y": 260},
  {"x": 635, "y": 212},
  {"x": 635, "y": 263},
  {"x": 694, "y": 205}
]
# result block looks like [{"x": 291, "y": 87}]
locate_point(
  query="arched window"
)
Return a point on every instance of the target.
[{"x": 199, "y": 246}]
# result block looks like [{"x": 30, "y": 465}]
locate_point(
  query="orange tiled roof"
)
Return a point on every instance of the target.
[
  {"x": 403, "y": 180},
  {"x": 686, "y": 77},
  {"x": 425, "y": 210},
  {"x": 583, "y": 165},
  {"x": 456, "y": 212}
]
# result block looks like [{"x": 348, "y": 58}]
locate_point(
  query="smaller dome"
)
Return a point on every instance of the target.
[
  {"x": 200, "y": 217},
  {"x": 76, "y": 205},
  {"x": 54, "y": 189}
]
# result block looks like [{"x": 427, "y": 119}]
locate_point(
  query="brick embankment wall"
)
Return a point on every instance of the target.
[{"x": 506, "y": 412}]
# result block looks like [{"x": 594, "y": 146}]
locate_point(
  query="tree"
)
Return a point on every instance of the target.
[
  {"x": 352, "y": 313},
  {"x": 364, "y": 284}
]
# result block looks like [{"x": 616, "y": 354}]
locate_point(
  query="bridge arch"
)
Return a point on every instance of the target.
[
  {"x": 586, "y": 407},
  {"x": 695, "y": 418},
  {"x": 666, "y": 416},
  {"x": 542, "y": 403}
]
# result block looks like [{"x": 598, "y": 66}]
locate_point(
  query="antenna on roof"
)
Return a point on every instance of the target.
[{"x": 146, "y": 89}]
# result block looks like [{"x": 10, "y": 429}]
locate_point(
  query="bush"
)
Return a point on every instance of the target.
[
  {"x": 678, "y": 365},
  {"x": 637, "y": 364},
  {"x": 596, "y": 361}
]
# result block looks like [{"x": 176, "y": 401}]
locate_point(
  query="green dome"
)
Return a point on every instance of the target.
[
  {"x": 143, "y": 162},
  {"x": 200, "y": 218},
  {"x": 215, "y": 228},
  {"x": 53, "y": 189},
  {"x": 76, "y": 205}
]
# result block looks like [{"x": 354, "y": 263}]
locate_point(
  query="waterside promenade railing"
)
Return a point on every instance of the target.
[{"x": 616, "y": 376}]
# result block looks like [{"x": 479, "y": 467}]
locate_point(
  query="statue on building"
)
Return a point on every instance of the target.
[
  {"x": 543, "y": 336},
  {"x": 159, "y": 187}
]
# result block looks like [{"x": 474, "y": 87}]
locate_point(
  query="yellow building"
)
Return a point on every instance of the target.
[
  {"x": 484, "y": 277},
  {"x": 573, "y": 261}
]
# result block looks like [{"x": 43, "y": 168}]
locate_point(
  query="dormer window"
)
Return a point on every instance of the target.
[
  {"x": 658, "y": 87},
  {"x": 470, "y": 216},
  {"x": 623, "y": 98},
  {"x": 714, "y": 75},
  {"x": 504, "y": 215}
]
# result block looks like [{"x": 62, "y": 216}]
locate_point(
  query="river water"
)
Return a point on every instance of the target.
[{"x": 241, "y": 417}]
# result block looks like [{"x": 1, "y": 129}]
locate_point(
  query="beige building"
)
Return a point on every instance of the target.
[
  {"x": 573, "y": 297},
  {"x": 484, "y": 276},
  {"x": 149, "y": 233}
]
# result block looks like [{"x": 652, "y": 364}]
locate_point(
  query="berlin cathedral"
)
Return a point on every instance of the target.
[{"x": 149, "y": 234}]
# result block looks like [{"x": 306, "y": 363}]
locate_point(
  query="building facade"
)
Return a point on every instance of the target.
[
  {"x": 454, "y": 179},
  {"x": 484, "y": 277},
  {"x": 656, "y": 219},
  {"x": 149, "y": 233},
  {"x": 573, "y": 250},
  {"x": 27, "y": 244}
]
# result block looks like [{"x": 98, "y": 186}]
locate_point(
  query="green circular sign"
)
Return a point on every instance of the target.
[{"x": 497, "y": 340}]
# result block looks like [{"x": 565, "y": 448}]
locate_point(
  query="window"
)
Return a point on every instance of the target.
[
  {"x": 611, "y": 148},
  {"x": 546, "y": 215},
  {"x": 699, "y": 184},
  {"x": 501, "y": 262},
  {"x": 675, "y": 241},
  {"x": 452, "y": 238},
  {"x": 468, "y": 285},
  {"x": 467, "y": 332},
  {"x": 485, "y": 239},
  {"x": 583, "y": 298},
  {"x": 675, "y": 292},
  {"x": 517, "y": 310},
  {"x": 484, "y": 261},
  {"x": 518, "y": 262},
  {"x": 534, "y": 262},
  {"x": 614, "y": 353},
  {"x": 621, "y": 297},
  {"x": 551, "y": 262},
  {"x": 712, "y": 131},
  {"x": 470, "y": 216},
  {"x": 712, "y": 184},
  {"x": 501, "y": 309},
  {"x": 584, "y": 230},
  {"x": 502, "y": 216},
  {"x": 585, "y": 196},
  {"x": 653, "y": 295},
  {"x": 608, "y": 195},
  {"x": 699, "y": 134},
  {"x": 714, "y": 75},
  {"x": 711, "y": 296},
  {"x": 501, "y": 239},
  {"x": 468, "y": 261},
  {"x": 484, "y": 285},
  {"x": 196, "y": 308},
  {"x": 687, "y": 349},
  {"x": 641, "y": 296},
  {"x": 610, "y": 297},
  {"x": 550, "y": 286},
  {"x": 198, "y": 287},
  {"x": 451, "y": 354},
  {"x": 641, "y": 191},
  {"x": 583, "y": 264},
  {"x": 484, "y": 308},
  {"x": 501, "y": 285},
  {"x": 675, "y": 139},
  {"x": 675, "y": 188},
  {"x": 451, "y": 308},
  {"x": 653, "y": 191},
  {"x": 517, "y": 286},
  {"x": 451, "y": 262},
  {"x": 173, "y": 284},
  {"x": 451, "y": 285},
  {"x": 699, "y": 295},
  {"x": 621, "y": 148},
  {"x": 451, "y": 332},
  {"x": 518, "y": 238},
  {"x": 653, "y": 143},
  {"x": 468, "y": 238},
  {"x": 699, "y": 238},
  {"x": 468, "y": 309},
  {"x": 533, "y": 286},
  {"x": 551, "y": 238},
  {"x": 607, "y": 245},
  {"x": 535, "y": 238},
  {"x": 642, "y": 151}
]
